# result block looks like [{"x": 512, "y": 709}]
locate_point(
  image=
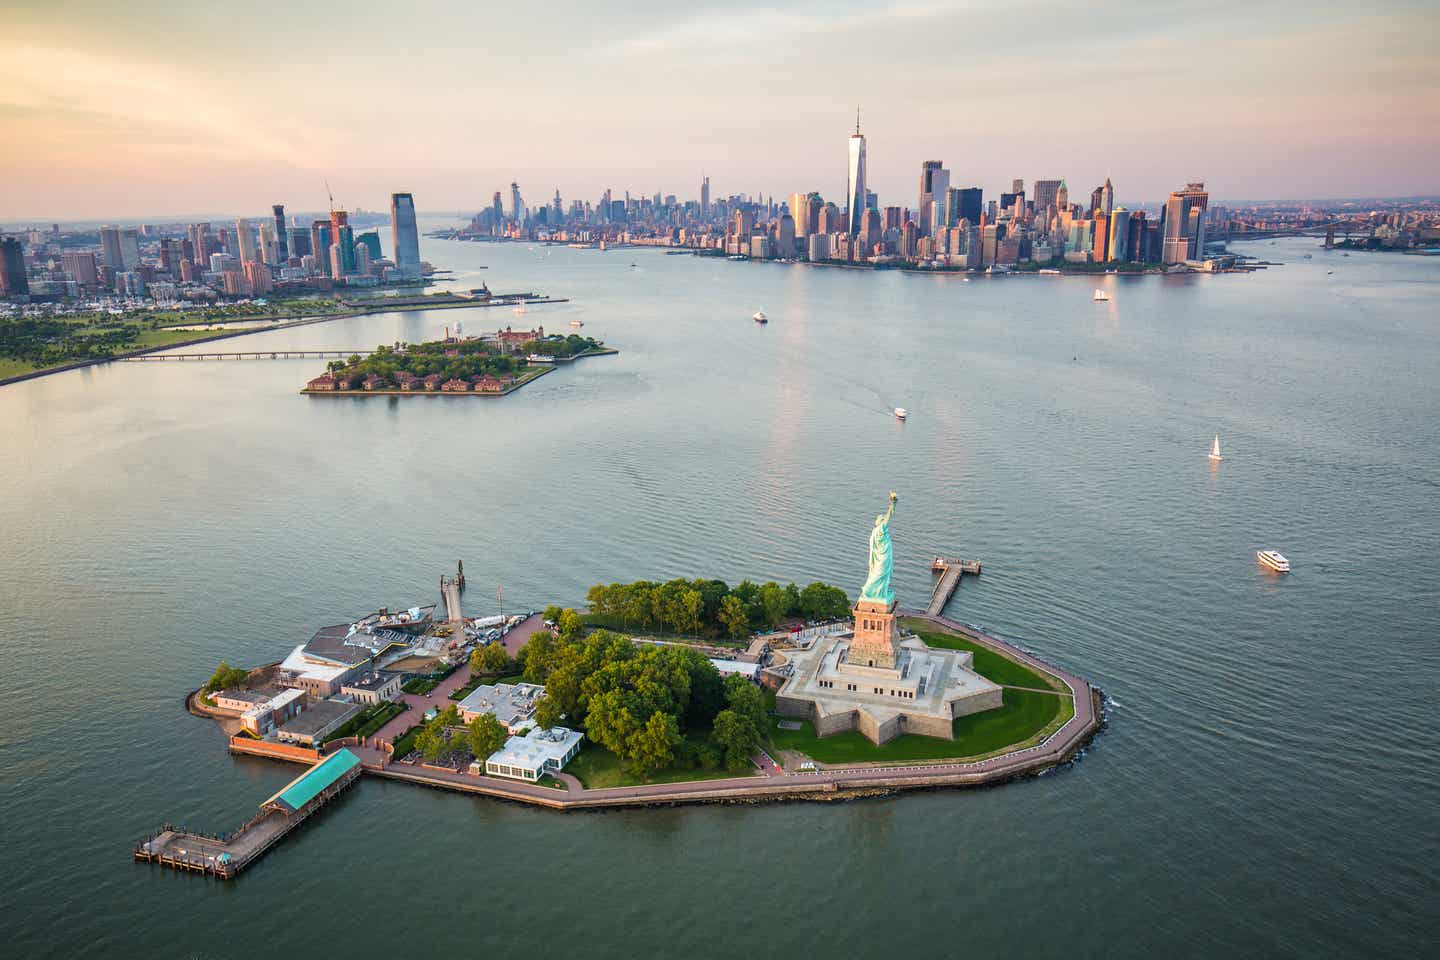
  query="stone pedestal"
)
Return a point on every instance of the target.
[{"x": 876, "y": 643}]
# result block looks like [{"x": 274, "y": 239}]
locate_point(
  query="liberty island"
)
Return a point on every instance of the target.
[{"x": 904, "y": 684}]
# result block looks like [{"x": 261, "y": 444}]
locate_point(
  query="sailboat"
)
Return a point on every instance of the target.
[{"x": 1215, "y": 450}]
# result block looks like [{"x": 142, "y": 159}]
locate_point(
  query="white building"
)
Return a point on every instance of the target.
[
  {"x": 372, "y": 688},
  {"x": 532, "y": 756}
]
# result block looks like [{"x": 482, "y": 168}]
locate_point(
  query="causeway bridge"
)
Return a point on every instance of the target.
[{"x": 336, "y": 352}]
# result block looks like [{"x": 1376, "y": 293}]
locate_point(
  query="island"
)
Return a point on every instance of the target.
[
  {"x": 655, "y": 693},
  {"x": 491, "y": 365}
]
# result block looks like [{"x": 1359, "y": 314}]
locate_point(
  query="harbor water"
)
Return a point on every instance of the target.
[{"x": 1266, "y": 785}]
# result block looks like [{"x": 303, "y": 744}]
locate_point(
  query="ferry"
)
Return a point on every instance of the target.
[
  {"x": 1273, "y": 560},
  {"x": 1101, "y": 295},
  {"x": 1049, "y": 273},
  {"x": 900, "y": 413},
  {"x": 539, "y": 358},
  {"x": 760, "y": 317}
]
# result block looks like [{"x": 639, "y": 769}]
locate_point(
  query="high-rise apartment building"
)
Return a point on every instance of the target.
[
  {"x": 322, "y": 236},
  {"x": 245, "y": 242},
  {"x": 406, "y": 235},
  {"x": 81, "y": 267},
  {"x": 855, "y": 193},
  {"x": 282, "y": 244},
  {"x": 13, "y": 281},
  {"x": 201, "y": 243}
]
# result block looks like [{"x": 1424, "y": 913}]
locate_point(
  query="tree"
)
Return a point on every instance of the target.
[
  {"x": 226, "y": 676},
  {"x": 490, "y": 658},
  {"x": 569, "y": 625},
  {"x": 773, "y": 603},
  {"x": 652, "y": 747},
  {"x": 485, "y": 735},
  {"x": 548, "y": 713},
  {"x": 820, "y": 601},
  {"x": 733, "y": 617},
  {"x": 433, "y": 741},
  {"x": 735, "y": 738}
]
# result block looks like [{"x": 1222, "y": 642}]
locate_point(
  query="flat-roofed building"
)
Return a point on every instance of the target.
[
  {"x": 321, "y": 717},
  {"x": 241, "y": 700},
  {"x": 266, "y": 715},
  {"x": 534, "y": 755},
  {"x": 513, "y": 704},
  {"x": 372, "y": 688}
]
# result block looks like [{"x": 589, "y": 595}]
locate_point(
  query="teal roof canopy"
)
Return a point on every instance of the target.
[{"x": 309, "y": 784}]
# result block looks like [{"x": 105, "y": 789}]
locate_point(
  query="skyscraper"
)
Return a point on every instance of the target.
[
  {"x": 967, "y": 203},
  {"x": 705, "y": 197},
  {"x": 13, "y": 282},
  {"x": 282, "y": 245},
  {"x": 1062, "y": 196},
  {"x": 930, "y": 211},
  {"x": 1118, "y": 247},
  {"x": 1107, "y": 197},
  {"x": 201, "y": 245},
  {"x": 1046, "y": 194},
  {"x": 321, "y": 238},
  {"x": 342, "y": 235},
  {"x": 129, "y": 249},
  {"x": 245, "y": 240},
  {"x": 855, "y": 184},
  {"x": 406, "y": 234},
  {"x": 517, "y": 210},
  {"x": 1183, "y": 220},
  {"x": 110, "y": 248}
]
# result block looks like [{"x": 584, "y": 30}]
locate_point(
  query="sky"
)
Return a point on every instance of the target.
[{"x": 150, "y": 108}]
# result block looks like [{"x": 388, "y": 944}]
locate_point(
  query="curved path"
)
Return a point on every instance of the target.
[{"x": 769, "y": 781}]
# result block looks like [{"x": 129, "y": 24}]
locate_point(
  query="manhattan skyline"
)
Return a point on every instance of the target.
[{"x": 161, "y": 111}]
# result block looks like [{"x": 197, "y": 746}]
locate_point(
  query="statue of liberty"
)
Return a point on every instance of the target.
[{"x": 877, "y": 585}]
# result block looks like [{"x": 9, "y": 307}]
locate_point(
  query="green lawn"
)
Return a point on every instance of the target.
[
  {"x": 989, "y": 664},
  {"x": 597, "y": 767},
  {"x": 419, "y": 686},
  {"x": 406, "y": 741},
  {"x": 367, "y": 721},
  {"x": 1025, "y": 716}
]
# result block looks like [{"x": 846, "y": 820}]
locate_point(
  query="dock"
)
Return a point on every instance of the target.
[
  {"x": 225, "y": 855},
  {"x": 950, "y": 571}
]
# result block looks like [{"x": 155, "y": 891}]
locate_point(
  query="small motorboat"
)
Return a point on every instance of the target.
[
  {"x": 1273, "y": 560},
  {"x": 900, "y": 413},
  {"x": 1215, "y": 450},
  {"x": 577, "y": 323},
  {"x": 760, "y": 317},
  {"x": 1101, "y": 295}
]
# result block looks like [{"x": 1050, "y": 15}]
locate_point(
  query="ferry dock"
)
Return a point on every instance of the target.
[
  {"x": 224, "y": 856},
  {"x": 950, "y": 571}
]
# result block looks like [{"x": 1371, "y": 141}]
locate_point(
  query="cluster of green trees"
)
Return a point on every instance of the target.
[
  {"x": 45, "y": 341},
  {"x": 558, "y": 346},
  {"x": 473, "y": 359},
  {"x": 710, "y": 607},
  {"x": 489, "y": 659},
  {"x": 226, "y": 676},
  {"x": 640, "y": 702},
  {"x": 445, "y": 734}
]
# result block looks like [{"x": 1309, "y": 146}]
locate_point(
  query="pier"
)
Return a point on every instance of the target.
[
  {"x": 225, "y": 855},
  {"x": 950, "y": 571}
]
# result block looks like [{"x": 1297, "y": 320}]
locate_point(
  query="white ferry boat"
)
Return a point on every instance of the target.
[
  {"x": 1273, "y": 560},
  {"x": 539, "y": 358},
  {"x": 1101, "y": 295}
]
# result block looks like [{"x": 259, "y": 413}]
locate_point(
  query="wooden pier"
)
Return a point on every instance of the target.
[
  {"x": 950, "y": 571},
  {"x": 225, "y": 855}
]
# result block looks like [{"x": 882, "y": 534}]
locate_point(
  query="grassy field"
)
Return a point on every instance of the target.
[
  {"x": 597, "y": 767},
  {"x": 419, "y": 686},
  {"x": 367, "y": 721},
  {"x": 989, "y": 664},
  {"x": 1026, "y": 716}
]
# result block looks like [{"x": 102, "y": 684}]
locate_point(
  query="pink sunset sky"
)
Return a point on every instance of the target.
[{"x": 147, "y": 108}]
